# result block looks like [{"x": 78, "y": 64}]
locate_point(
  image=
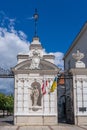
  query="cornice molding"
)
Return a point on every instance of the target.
[
  {"x": 79, "y": 71},
  {"x": 41, "y": 72}
]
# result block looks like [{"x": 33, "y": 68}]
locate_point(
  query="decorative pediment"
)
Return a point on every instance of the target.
[{"x": 43, "y": 65}]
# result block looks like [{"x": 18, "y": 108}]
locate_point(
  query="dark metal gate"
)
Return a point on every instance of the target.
[{"x": 69, "y": 102}]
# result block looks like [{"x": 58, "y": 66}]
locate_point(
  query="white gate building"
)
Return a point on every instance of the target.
[{"x": 33, "y": 105}]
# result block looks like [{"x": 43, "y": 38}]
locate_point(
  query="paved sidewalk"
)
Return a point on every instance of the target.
[
  {"x": 7, "y": 124},
  {"x": 58, "y": 127},
  {"x": 85, "y": 127}
]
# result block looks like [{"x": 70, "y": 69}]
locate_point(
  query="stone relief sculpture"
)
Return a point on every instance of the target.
[{"x": 35, "y": 60}]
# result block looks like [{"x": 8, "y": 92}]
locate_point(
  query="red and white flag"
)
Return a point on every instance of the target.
[{"x": 44, "y": 85}]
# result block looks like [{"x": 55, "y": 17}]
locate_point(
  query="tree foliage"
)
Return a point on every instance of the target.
[
  {"x": 6, "y": 103},
  {"x": 9, "y": 103}
]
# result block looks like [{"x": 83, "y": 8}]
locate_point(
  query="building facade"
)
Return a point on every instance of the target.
[
  {"x": 34, "y": 74},
  {"x": 75, "y": 64}
]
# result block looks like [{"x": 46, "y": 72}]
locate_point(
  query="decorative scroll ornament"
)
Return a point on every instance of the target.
[{"x": 78, "y": 56}]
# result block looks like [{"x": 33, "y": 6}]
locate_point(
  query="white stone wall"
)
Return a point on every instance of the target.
[
  {"x": 23, "y": 103},
  {"x": 80, "y": 93},
  {"x": 26, "y": 110}
]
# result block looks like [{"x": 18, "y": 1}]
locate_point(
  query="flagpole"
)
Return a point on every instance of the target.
[
  {"x": 43, "y": 104},
  {"x": 49, "y": 97}
]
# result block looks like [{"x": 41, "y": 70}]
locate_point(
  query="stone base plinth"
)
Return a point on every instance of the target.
[
  {"x": 79, "y": 64},
  {"x": 81, "y": 120},
  {"x": 35, "y": 120}
]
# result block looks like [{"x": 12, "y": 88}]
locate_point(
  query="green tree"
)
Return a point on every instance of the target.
[
  {"x": 2, "y": 102},
  {"x": 9, "y": 104},
  {"x": 6, "y": 103}
]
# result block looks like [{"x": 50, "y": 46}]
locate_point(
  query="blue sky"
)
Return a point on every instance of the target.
[
  {"x": 59, "y": 20},
  {"x": 58, "y": 24}
]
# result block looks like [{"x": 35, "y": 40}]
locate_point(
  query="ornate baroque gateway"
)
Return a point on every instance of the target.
[{"x": 34, "y": 71}]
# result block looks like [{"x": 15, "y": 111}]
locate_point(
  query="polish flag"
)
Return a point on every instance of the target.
[{"x": 44, "y": 85}]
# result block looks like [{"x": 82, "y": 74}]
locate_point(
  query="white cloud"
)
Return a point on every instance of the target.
[
  {"x": 59, "y": 59},
  {"x": 7, "y": 86},
  {"x": 11, "y": 43}
]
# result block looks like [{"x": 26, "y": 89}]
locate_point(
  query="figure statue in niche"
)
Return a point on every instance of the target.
[{"x": 35, "y": 96}]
